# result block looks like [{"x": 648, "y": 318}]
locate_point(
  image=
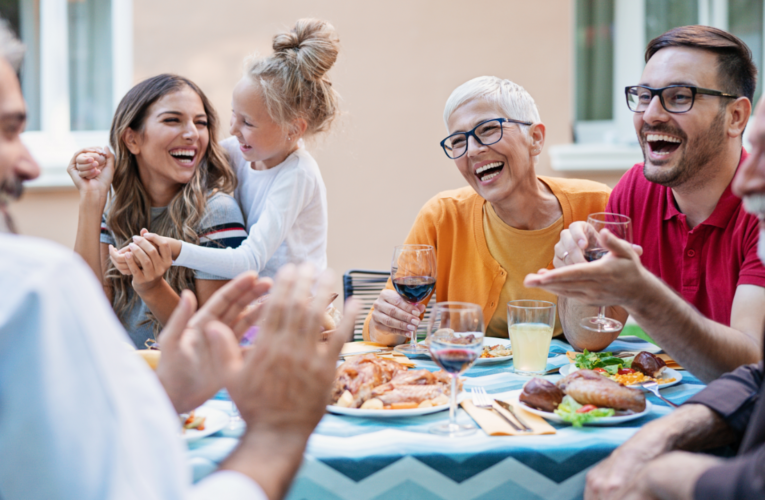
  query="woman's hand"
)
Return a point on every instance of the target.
[
  {"x": 92, "y": 170},
  {"x": 393, "y": 319},
  {"x": 147, "y": 263}
]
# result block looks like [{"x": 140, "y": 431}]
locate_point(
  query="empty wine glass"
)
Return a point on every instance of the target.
[
  {"x": 455, "y": 333},
  {"x": 413, "y": 272},
  {"x": 621, "y": 227}
]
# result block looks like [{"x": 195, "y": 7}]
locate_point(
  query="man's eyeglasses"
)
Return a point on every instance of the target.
[
  {"x": 485, "y": 133},
  {"x": 675, "y": 98}
]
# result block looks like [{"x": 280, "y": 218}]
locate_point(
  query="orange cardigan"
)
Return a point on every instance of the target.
[{"x": 452, "y": 222}]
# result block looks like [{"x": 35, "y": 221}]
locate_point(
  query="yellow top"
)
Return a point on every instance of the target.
[
  {"x": 519, "y": 253},
  {"x": 452, "y": 222}
]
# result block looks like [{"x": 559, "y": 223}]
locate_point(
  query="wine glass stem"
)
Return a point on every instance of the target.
[
  {"x": 602, "y": 315},
  {"x": 414, "y": 334},
  {"x": 453, "y": 403}
]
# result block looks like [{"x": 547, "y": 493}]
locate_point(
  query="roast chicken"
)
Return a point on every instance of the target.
[{"x": 368, "y": 376}]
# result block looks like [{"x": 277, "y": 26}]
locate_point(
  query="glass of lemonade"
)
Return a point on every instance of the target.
[{"x": 530, "y": 326}]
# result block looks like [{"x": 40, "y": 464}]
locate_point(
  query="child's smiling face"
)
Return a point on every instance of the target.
[{"x": 260, "y": 138}]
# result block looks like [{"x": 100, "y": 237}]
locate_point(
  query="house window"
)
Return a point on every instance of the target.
[
  {"x": 78, "y": 65},
  {"x": 610, "y": 40}
]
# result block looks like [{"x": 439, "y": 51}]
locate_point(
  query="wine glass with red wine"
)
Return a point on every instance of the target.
[
  {"x": 413, "y": 272},
  {"x": 455, "y": 333},
  {"x": 621, "y": 227}
]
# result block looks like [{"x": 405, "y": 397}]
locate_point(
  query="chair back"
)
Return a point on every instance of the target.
[{"x": 365, "y": 286}]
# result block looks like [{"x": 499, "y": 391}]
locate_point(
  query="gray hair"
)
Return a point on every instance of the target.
[
  {"x": 11, "y": 49},
  {"x": 509, "y": 97}
]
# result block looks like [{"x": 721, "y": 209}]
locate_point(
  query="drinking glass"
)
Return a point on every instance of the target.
[
  {"x": 621, "y": 227},
  {"x": 455, "y": 332},
  {"x": 413, "y": 272},
  {"x": 530, "y": 325}
]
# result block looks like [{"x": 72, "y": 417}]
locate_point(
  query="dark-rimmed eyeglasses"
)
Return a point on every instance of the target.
[
  {"x": 485, "y": 133},
  {"x": 674, "y": 99}
]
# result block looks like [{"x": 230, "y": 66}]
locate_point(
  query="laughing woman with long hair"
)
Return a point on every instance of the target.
[{"x": 169, "y": 175}]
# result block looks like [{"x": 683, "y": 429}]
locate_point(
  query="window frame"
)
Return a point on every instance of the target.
[
  {"x": 53, "y": 145},
  {"x": 611, "y": 145}
]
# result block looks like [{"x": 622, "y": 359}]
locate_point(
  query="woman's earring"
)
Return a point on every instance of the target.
[{"x": 289, "y": 138}]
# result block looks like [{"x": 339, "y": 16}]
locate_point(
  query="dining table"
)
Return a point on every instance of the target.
[{"x": 353, "y": 458}]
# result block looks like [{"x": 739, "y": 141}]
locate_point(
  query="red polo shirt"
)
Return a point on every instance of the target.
[{"x": 704, "y": 264}]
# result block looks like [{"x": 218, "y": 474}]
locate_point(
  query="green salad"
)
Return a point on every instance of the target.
[
  {"x": 606, "y": 360},
  {"x": 577, "y": 415}
]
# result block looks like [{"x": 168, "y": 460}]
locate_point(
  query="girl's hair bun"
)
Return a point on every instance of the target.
[{"x": 311, "y": 47}]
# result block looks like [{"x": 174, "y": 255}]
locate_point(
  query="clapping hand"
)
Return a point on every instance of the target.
[
  {"x": 187, "y": 369},
  {"x": 282, "y": 385}
]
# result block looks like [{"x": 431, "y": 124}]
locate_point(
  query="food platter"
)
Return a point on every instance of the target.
[
  {"x": 488, "y": 342},
  {"x": 668, "y": 373},
  {"x": 615, "y": 420},
  {"x": 358, "y": 412},
  {"x": 215, "y": 420}
]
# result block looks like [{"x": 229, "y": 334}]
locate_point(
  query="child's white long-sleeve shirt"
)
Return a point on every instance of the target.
[{"x": 285, "y": 209}]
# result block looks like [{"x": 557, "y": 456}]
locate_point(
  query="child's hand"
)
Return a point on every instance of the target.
[
  {"x": 92, "y": 170},
  {"x": 173, "y": 245}
]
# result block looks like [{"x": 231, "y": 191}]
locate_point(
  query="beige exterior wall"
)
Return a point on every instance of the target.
[{"x": 400, "y": 60}]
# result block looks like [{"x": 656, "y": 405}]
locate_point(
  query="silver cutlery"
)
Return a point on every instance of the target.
[
  {"x": 482, "y": 400},
  {"x": 654, "y": 388},
  {"x": 509, "y": 407}
]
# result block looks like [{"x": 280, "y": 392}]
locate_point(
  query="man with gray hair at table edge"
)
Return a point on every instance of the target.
[
  {"x": 82, "y": 417},
  {"x": 731, "y": 410}
]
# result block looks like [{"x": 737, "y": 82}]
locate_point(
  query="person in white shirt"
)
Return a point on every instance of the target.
[
  {"x": 81, "y": 417},
  {"x": 280, "y": 100}
]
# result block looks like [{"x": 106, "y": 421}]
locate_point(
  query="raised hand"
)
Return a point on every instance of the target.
[{"x": 92, "y": 170}]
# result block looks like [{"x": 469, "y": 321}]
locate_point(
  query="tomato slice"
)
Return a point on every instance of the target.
[
  {"x": 586, "y": 408},
  {"x": 599, "y": 370},
  {"x": 626, "y": 371}
]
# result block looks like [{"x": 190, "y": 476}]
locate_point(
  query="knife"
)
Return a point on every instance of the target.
[{"x": 509, "y": 408}]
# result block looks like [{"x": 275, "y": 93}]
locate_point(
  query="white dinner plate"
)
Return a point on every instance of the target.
[
  {"x": 215, "y": 420},
  {"x": 616, "y": 419},
  {"x": 491, "y": 342},
  {"x": 414, "y": 412},
  {"x": 667, "y": 373}
]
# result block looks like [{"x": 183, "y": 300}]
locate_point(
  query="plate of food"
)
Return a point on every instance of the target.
[
  {"x": 495, "y": 350},
  {"x": 202, "y": 422},
  {"x": 632, "y": 369},
  {"x": 584, "y": 397},
  {"x": 370, "y": 386}
]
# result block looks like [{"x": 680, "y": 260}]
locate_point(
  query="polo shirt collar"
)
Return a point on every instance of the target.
[{"x": 726, "y": 206}]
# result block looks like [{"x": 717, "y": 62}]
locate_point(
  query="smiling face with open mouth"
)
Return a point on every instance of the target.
[
  {"x": 173, "y": 141},
  {"x": 679, "y": 147},
  {"x": 494, "y": 170}
]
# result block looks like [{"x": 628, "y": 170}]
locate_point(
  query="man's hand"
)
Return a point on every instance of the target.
[
  {"x": 393, "y": 319},
  {"x": 282, "y": 385},
  {"x": 613, "y": 280},
  {"x": 186, "y": 368},
  {"x": 670, "y": 477}
]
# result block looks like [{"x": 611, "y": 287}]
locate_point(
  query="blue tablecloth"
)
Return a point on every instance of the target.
[{"x": 365, "y": 459}]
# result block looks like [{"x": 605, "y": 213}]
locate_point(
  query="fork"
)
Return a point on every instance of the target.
[
  {"x": 482, "y": 400},
  {"x": 654, "y": 388}
]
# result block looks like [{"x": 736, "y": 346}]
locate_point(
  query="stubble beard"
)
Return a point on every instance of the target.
[
  {"x": 10, "y": 190},
  {"x": 697, "y": 161}
]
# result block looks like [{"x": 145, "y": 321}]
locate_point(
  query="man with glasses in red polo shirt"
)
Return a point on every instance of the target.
[{"x": 698, "y": 289}]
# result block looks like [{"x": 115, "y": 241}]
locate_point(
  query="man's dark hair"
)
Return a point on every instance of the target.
[{"x": 738, "y": 74}]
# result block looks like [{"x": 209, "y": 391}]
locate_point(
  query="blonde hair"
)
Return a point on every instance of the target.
[
  {"x": 129, "y": 207},
  {"x": 293, "y": 79},
  {"x": 507, "y": 96}
]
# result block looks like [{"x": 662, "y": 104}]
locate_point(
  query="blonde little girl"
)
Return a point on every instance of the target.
[{"x": 280, "y": 99}]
